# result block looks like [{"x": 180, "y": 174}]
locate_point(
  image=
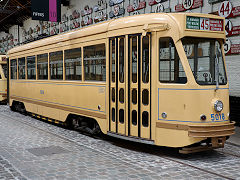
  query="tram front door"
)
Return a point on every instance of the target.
[{"x": 130, "y": 86}]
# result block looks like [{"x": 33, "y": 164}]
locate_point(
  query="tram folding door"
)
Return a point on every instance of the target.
[{"x": 130, "y": 86}]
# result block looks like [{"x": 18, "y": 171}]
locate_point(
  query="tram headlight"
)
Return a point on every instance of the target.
[{"x": 218, "y": 106}]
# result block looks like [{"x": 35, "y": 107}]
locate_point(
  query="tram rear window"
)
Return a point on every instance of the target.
[
  {"x": 95, "y": 62},
  {"x": 170, "y": 66}
]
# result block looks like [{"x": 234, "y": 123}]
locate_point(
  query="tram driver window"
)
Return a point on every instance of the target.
[
  {"x": 170, "y": 66},
  {"x": 56, "y": 65},
  {"x": 95, "y": 62},
  {"x": 31, "y": 67}
]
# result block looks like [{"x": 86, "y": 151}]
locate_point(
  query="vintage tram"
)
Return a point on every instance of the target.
[
  {"x": 154, "y": 78},
  {"x": 3, "y": 79}
]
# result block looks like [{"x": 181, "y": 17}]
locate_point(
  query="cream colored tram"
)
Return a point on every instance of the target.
[
  {"x": 154, "y": 78},
  {"x": 3, "y": 79}
]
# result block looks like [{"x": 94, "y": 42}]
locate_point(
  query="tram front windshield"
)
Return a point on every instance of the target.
[{"x": 206, "y": 60}]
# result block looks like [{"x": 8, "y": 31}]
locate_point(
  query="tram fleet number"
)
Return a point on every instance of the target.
[{"x": 217, "y": 117}]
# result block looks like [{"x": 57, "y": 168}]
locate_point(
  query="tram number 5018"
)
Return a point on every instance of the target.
[{"x": 217, "y": 117}]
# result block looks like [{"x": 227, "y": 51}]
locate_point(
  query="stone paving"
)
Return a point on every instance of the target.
[{"x": 32, "y": 149}]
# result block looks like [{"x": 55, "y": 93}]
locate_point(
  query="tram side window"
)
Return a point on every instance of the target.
[
  {"x": 170, "y": 66},
  {"x": 42, "y": 66},
  {"x": 13, "y": 66},
  {"x": 31, "y": 67},
  {"x": 73, "y": 64},
  {"x": 56, "y": 65},
  {"x": 95, "y": 62},
  {"x": 21, "y": 68}
]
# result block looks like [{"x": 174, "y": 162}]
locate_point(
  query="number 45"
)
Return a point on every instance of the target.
[{"x": 204, "y": 23}]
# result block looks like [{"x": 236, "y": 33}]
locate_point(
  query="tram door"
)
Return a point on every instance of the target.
[
  {"x": 117, "y": 87},
  {"x": 137, "y": 100}
]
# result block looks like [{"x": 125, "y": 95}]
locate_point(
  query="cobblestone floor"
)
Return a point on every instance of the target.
[{"x": 32, "y": 149}]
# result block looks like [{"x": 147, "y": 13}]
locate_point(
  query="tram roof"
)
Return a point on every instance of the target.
[{"x": 171, "y": 20}]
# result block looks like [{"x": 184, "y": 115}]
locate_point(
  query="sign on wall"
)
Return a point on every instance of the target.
[
  {"x": 117, "y": 8},
  {"x": 136, "y": 5},
  {"x": 46, "y": 10},
  {"x": 230, "y": 48},
  {"x": 227, "y": 10},
  {"x": 214, "y": 1},
  {"x": 230, "y": 29},
  {"x": 188, "y": 4}
]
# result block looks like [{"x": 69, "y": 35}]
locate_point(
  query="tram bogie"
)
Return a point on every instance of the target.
[{"x": 154, "y": 78}]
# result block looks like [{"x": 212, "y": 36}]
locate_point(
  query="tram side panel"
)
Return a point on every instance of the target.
[{"x": 57, "y": 100}]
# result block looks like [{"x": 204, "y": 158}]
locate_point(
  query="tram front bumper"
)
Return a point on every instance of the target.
[{"x": 213, "y": 131}]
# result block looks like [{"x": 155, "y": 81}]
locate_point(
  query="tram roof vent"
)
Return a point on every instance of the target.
[{"x": 155, "y": 27}]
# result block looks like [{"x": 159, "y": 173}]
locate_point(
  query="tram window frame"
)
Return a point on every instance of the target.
[
  {"x": 90, "y": 58},
  {"x": 13, "y": 68},
  {"x": 73, "y": 63},
  {"x": 53, "y": 65},
  {"x": 22, "y": 68},
  {"x": 175, "y": 72},
  {"x": 41, "y": 66}
]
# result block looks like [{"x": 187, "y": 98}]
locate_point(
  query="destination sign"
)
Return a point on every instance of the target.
[{"x": 207, "y": 24}]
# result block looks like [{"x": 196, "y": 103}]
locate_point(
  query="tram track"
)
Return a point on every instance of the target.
[{"x": 161, "y": 155}]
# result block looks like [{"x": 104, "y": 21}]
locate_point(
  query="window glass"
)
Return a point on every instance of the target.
[
  {"x": 134, "y": 117},
  {"x": 134, "y": 96},
  {"x": 121, "y": 95},
  {"x": 42, "y": 66},
  {"x": 121, "y": 60},
  {"x": 21, "y": 68},
  {"x": 134, "y": 58},
  {"x": 113, "y": 59},
  {"x": 4, "y": 66},
  {"x": 95, "y": 63},
  {"x": 73, "y": 64},
  {"x": 170, "y": 66},
  {"x": 113, "y": 94},
  {"x": 145, "y": 119},
  {"x": 206, "y": 60},
  {"x": 56, "y": 65},
  {"x": 145, "y": 97},
  {"x": 145, "y": 59},
  {"x": 13, "y": 67},
  {"x": 121, "y": 116},
  {"x": 113, "y": 114},
  {"x": 31, "y": 67}
]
